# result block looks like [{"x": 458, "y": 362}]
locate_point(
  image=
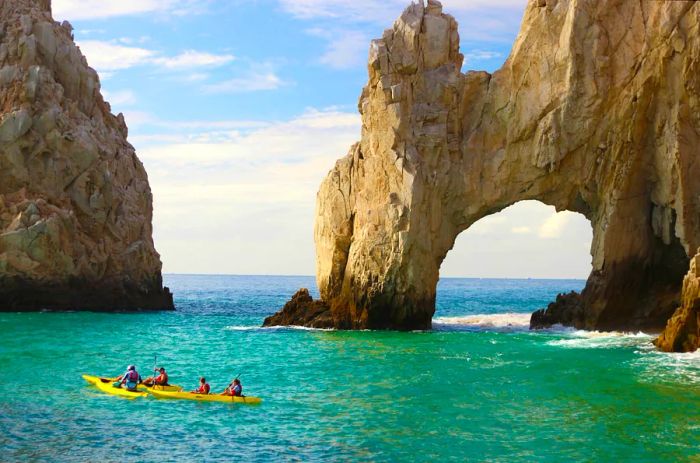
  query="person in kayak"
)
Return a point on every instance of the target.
[
  {"x": 203, "y": 387},
  {"x": 234, "y": 389},
  {"x": 130, "y": 379},
  {"x": 160, "y": 380}
]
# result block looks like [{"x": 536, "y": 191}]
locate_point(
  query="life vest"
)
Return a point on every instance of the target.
[
  {"x": 162, "y": 379},
  {"x": 132, "y": 376},
  {"x": 237, "y": 390}
]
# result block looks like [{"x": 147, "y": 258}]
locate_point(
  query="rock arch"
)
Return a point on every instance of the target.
[{"x": 596, "y": 110}]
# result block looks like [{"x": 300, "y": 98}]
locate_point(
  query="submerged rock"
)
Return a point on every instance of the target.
[
  {"x": 682, "y": 333},
  {"x": 75, "y": 203},
  {"x": 596, "y": 110}
]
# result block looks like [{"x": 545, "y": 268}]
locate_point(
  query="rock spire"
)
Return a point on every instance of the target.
[{"x": 75, "y": 203}]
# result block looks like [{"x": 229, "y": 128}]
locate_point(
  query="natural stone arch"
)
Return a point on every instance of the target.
[{"x": 596, "y": 111}]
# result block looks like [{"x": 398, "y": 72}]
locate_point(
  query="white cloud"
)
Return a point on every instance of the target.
[
  {"x": 250, "y": 195},
  {"x": 74, "y": 10},
  {"x": 388, "y": 10},
  {"x": 106, "y": 56},
  {"x": 488, "y": 225},
  {"x": 478, "y": 55},
  {"x": 521, "y": 230},
  {"x": 120, "y": 98},
  {"x": 95, "y": 9},
  {"x": 345, "y": 50},
  {"x": 253, "y": 82},
  {"x": 501, "y": 251},
  {"x": 193, "y": 59},
  {"x": 555, "y": 224},
  {"x": 109, "y": 57},
  {"x": 489, "y": 22}
]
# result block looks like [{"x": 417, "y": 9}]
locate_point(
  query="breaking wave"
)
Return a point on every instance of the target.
[
  {"x": 272, "y": 328},
  {"x": 494, "y": 322},
  {"x": 603, "y": 339}
]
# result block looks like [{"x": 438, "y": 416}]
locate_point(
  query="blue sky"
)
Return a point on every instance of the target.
[{"x": 239, "y": 108}]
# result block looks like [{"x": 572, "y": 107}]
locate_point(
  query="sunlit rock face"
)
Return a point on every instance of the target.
[
  {"x": 75, "y": 204},
  {"x": 596, "y": 110}
]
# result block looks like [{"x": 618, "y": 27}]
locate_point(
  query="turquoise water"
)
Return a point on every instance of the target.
[{"x": 480, "y": 387}]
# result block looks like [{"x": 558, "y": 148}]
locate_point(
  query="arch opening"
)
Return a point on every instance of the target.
[
  {"x": 512, "y": 263},
  {"x": 526, "y": 240}
]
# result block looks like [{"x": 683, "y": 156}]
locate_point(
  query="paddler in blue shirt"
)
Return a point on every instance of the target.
[
  {"x": 131, "y": 378},
  {"x": 234, "y": 389}
]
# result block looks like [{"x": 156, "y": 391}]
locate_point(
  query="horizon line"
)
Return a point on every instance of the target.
[{"x": 313, "y": 276}]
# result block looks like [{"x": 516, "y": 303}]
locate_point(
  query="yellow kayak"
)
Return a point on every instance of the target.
[
  {"x": 141, "y": 387},
  {"x": 158, "y": 387},
  {"x": 105, "y": 385},
  {"x": 204, "y": 397}
]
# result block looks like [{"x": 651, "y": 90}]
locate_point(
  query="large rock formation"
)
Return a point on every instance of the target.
[
  {"x": 596, "y": 110},
  {"x": 682, "y": 332},
  {"x": 75, "y": 204}
]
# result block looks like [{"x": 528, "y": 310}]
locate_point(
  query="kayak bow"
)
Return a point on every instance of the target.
[
  {"x": 141, "y": 387},
  {"x": 105, "y": 385}
]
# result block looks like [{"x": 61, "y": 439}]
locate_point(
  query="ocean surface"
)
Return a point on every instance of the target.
[{"x": 479, "y": 387}]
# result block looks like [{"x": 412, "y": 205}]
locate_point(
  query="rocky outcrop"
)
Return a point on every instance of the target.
[
  {"x": 682, "y": 333},
  {"x": 75, "y": 204},
  {"x": 302, "y": 310},
  {"x": 596, "y": 110},
  {"x": 566, "y": 310}
]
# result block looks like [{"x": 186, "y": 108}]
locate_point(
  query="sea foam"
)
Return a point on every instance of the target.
[
  {"x": 272, "y": 328},
  {"x": 497, "y": 322},
  {"x": 602, "y": 339}
]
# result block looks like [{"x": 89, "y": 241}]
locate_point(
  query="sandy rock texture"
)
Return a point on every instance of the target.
[
  {"x": 596, "y": 110},
  {"x": 682, "y": 333},
  {"x": 75, "y": 204}
]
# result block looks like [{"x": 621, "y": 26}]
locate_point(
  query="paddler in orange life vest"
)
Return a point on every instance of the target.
[
  {"x": 160, "y": 380},
  {"x": 203, "y": 387}
]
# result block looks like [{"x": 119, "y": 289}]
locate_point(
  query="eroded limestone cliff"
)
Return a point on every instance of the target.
[
  {"x": 596, "y": 110},
  {"x": 75, "y": 204}
]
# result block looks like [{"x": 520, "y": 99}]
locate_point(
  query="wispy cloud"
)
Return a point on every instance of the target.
[
  {"x": 121, "y": 98},
  {"x": 113, "y": 56},
  {"x": 345, "y": 50},
  {"x": 252, "y": 82},
  {"x": 253, "y": 191},
  {"x": 74, "y": 10},
  {"x": 387, "y": 10},
  {"x": 193, "y": 59},
  {"x": 494, "y": 21},
  {"x": 107, "y": 56},
  {"x": 478, "y": 55}
]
